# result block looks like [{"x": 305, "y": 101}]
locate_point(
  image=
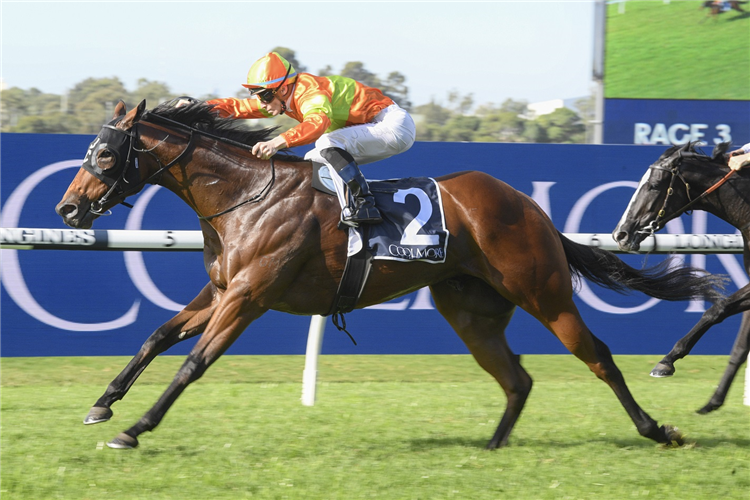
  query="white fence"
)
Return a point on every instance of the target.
[
  {"x": 120, "y": 240},
  {"x": 143, "y": 240}
]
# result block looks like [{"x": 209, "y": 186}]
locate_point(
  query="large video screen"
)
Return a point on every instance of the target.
[{"x": 677, "y": 50}]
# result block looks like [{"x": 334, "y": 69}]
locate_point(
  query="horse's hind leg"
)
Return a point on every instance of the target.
[
  {"x": 480, "y": 315},
  {"x": 538, "y": 280},
  {"x": 558, "y": 312},
  {"x": 736, "y": 303},
  {"x": 186, "y": 324},
  {"x": 738, "y": 357}
]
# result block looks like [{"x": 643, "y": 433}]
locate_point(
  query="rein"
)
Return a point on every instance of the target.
[
  {"x": 253, "y": 199},
  {"x": 660, "y": 221}
]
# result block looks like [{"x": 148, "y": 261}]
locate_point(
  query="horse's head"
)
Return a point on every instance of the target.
[
  {"x": 108, "y": 174},
  {"x": 679, "y": 176}
]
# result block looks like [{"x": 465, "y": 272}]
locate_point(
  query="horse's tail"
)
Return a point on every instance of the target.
[{"x": 663, "y": 281}]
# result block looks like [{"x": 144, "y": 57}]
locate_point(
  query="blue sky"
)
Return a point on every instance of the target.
[{"x": 530, "y": 50}]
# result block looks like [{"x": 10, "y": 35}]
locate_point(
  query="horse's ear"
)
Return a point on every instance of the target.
[
  {"x": 120, "y": 109},
  {"x": 719, "y": 151},
  {"x": 140, "y": 109},
  {"x": 133, "y": 116}
]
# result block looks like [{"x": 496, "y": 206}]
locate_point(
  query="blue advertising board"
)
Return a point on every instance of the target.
[
  {"x": 85, "y": 303},
  {"x": 672, "y": 121}
]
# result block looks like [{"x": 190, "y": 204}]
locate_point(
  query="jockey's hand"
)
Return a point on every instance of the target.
[
  {"x": 738, "y": 161},
  {"x": 265, "y": 150},
  {"x": 183, "y": 101}
]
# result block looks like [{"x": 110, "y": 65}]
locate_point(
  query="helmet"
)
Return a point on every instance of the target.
[{"x": 269, "y": 72}]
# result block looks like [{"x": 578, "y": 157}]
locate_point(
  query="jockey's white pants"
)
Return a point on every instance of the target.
[{"x": 391, "y": 132}]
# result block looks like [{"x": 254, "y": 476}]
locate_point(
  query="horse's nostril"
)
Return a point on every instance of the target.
[
  {"x": 622, "y": 235},
  {"x": 67, "y": 210}
]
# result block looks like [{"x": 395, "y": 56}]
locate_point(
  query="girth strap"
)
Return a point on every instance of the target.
[{"x": 353, "y": 281}]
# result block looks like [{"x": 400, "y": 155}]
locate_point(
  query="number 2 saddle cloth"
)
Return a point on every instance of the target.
[{"x": 413, "y": 227}]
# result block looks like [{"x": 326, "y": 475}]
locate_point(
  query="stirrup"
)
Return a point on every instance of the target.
[
  {"x": 346, "y": 223},
  {"x": 363, "y": 215}
]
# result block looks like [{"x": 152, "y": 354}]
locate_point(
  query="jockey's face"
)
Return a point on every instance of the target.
[{"x": 276, "y": 106}]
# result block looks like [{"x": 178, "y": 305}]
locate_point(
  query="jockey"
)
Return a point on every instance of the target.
[{"x": 350, "y": 123}]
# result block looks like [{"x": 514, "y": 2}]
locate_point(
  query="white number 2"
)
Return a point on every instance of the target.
[{"x": 410, "y": 236}]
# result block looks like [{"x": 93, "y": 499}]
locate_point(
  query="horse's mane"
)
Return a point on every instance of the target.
[
  {"x": 200, "y": 116},
  {"x": 691, "y": 149}
]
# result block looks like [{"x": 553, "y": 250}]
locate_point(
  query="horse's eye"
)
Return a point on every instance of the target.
[{"x": 106, "y": 155}]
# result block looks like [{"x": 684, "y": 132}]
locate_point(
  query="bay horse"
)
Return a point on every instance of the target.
[
  {"x": 683, "y": 179},
  {"x": 272, "y": 242}
]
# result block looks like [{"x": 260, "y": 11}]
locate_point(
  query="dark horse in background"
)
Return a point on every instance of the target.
[
  {"x": 675, "y": 183},
  {"x": 271, "y": 242},
  {"x": 716, "y": 8}
]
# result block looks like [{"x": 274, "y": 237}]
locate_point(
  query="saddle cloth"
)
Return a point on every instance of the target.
[{"x": 413, "y": 227}]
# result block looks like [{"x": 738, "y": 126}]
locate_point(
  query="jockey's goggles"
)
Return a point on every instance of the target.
[{"x": 266, "y": 96}]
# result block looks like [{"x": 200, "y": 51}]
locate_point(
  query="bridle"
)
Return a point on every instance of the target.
[
  {"x": 124, "y": 180},
  {"x": 673, "y": 167}
]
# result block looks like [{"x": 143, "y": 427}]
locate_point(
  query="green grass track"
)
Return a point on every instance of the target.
[{"x": 387, "y": 427}]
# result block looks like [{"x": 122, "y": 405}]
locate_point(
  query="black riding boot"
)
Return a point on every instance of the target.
[{"x": 363, "y": 211}]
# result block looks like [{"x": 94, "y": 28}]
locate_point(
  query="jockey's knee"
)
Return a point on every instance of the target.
[{"x": 327, "y": 141}]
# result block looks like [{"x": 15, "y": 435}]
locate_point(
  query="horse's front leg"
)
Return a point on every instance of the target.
[
  {"x": 233, "y": 314},
  {"x": 736, "y": 303},
  {"x": 187, "y": 323}
]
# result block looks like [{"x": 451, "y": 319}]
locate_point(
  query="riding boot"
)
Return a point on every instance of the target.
[{"x": 363, "y": 211}]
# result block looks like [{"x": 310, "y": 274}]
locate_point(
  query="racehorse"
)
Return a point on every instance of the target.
[
  {"x": 272, "y": 242},
  {"x": 684, "y": 179}
]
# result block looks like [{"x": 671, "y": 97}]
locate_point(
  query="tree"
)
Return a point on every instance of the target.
[
  {"x": 55, "y": 123},
  {"x": 35, "y": 112},
  {"x": 94, "y": 100},
  {"x": 460, "y": 104},
  {"x": 461, "y": 128},
  {"x": 153, "y": 92},
  {"x": 563, "y": 126},
  {"x": 356, "y": 71},
  {"x": 504, "y": 123},
  {"x": 433, "y": 113},
  {"x": 500, "y": 125},
  {"x": 91, "y": 103},
  {"x": 14, "y": 104},
  {"x": 395, "y": 88}
]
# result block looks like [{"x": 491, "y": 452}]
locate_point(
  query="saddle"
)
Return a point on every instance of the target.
[{"x": 413, "y": 229}]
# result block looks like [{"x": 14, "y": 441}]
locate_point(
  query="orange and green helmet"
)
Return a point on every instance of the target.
[{"x": 269, "y": 72}]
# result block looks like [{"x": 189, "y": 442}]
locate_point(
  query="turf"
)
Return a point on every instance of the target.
[
  {"x": 390, "y": 427},
  {"x": 658, "y": 50}
]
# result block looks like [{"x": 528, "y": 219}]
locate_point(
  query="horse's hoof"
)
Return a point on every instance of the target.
[
  {"x": 97, "y": 414},
  {"x": 708, "y": 408},
  {"x": 673, "y": 436},
  {"x": 123, "y": 442},
  {"x": 494, "y": 445},
  {"x": 662, "y": 370}
]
